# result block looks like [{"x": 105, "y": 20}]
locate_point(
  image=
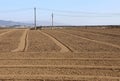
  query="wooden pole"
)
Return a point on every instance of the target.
[{"x": 35, "y": 18}]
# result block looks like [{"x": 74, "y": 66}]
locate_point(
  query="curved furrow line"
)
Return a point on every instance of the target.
[
  {"x": 92, "y": 40},
  {"x": 62, "y": 46},
  {"x": 22, "y": 43}
]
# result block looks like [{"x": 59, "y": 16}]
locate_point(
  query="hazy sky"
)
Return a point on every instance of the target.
[{"x": 74, "y": 12}]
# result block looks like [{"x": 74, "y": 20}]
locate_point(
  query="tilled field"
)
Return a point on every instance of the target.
[
  {"x": 80, "y": 44},
  {"x": 62, "y": 61},
  {"x": 10, "y": 40},
  {"x": 38, "y": 42},
  {"x": 98, "y": 37},
  {"x": 3, "y": 30},
  {"x": 58, "y": 55},
  {"x": 59, "y": 66},
  {"x": 114, "y": 32}
]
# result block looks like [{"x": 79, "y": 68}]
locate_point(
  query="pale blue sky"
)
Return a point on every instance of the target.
[{"x": 86, "y": 11}]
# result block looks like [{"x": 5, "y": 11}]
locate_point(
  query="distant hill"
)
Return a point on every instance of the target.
[
  {"x": 29, "y": 23},
  {"x": 45, "y": 23},
  {"x": 11, "y": 23}
]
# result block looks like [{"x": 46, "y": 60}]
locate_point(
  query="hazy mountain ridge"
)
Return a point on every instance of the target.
[
  {"x": 13, "y": 23},
  {"x": 10, "y": 23}
]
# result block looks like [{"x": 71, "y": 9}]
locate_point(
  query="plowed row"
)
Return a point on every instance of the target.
[
  {"x": 94, "y": 36},
  {"x": 113, "y": 32},
  {"x": 3, "y": 30},
  {"x": 80, "y": 45},
  {"x": 59, "y": 66},
  {"x": 10, "y": 41},
  {"x": 42, "y": 59},
  {"x": 62, "y": 61},
  {"x": 38, "y": 42}
]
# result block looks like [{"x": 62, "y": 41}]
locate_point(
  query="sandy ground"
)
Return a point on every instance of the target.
[
  {"x": 63, "y": 47},
  {"x": 52, "y": 55},
  {"x": 98, "y": 38},
  {"x": 101, "y": 31},
  {"x": 60, "y": 66},
  {"x": 61, "y": 61},
  {"x": 81, "y": 44},
  {"x": 38, "y": 42},
  {"x": 9, "y": 40},
  {"x": 4, "y": 32},
  {"x": 22, "y": 43}
]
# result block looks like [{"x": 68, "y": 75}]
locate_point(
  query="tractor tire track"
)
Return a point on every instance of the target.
[
  {"x": 9, "y": 31},
  {"x": 57, "y": 78},
  {"x": 88, "y": 39},
  {"x": 61, "y": 45},
  {"x": 108, "y": 71},
  {"x": 26, "y": 43},
  {"x": 116, "y": 68},
  {"x": 22, "y": 44}
]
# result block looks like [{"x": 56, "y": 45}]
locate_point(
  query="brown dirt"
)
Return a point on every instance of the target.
[
  {"x": 58, "y": 61},
  {"x": 22, "y": 43},
  {"x": 63, "y": 47},
  {"x": 102, "y": 39},
  {"x": 38, "y": 42},
  {"x": 60, "y": 70},
  {"x": 42, "y": 59},
  {"x": 57, "y": 78},
  {"x": 3, "y": 32},
  {"x": 103, "y": 31},
  {"x": 103, "y": 55},
  {"x": 80, "y": 44},
  {"x": 10, "y": 40}
]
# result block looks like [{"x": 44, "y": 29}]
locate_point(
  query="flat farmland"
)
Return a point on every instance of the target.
[
  {"x": 98, "y": 38},
  {"x": 37, "y": 42},
  {"x": 10, "y": 40},
  {"x": 74, "y": 54},
  {"x": 3, "y": 30},
  {"x": 114, "y": 32},
  {"x": 81, "y": 44}
]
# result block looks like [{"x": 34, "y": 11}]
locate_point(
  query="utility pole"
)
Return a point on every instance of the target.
[
  {"x": 52, "y": 19},
  {"x": 35, "y": 18}
]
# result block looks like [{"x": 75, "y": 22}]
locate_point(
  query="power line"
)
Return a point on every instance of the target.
[
  {"x": 63, "y": 11},
  {"x": 67, "y": 15},
  {"x": 16, "y": 10},
  {"x": 77, "y": 12},
  {"x": 66, "y": 11}
]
